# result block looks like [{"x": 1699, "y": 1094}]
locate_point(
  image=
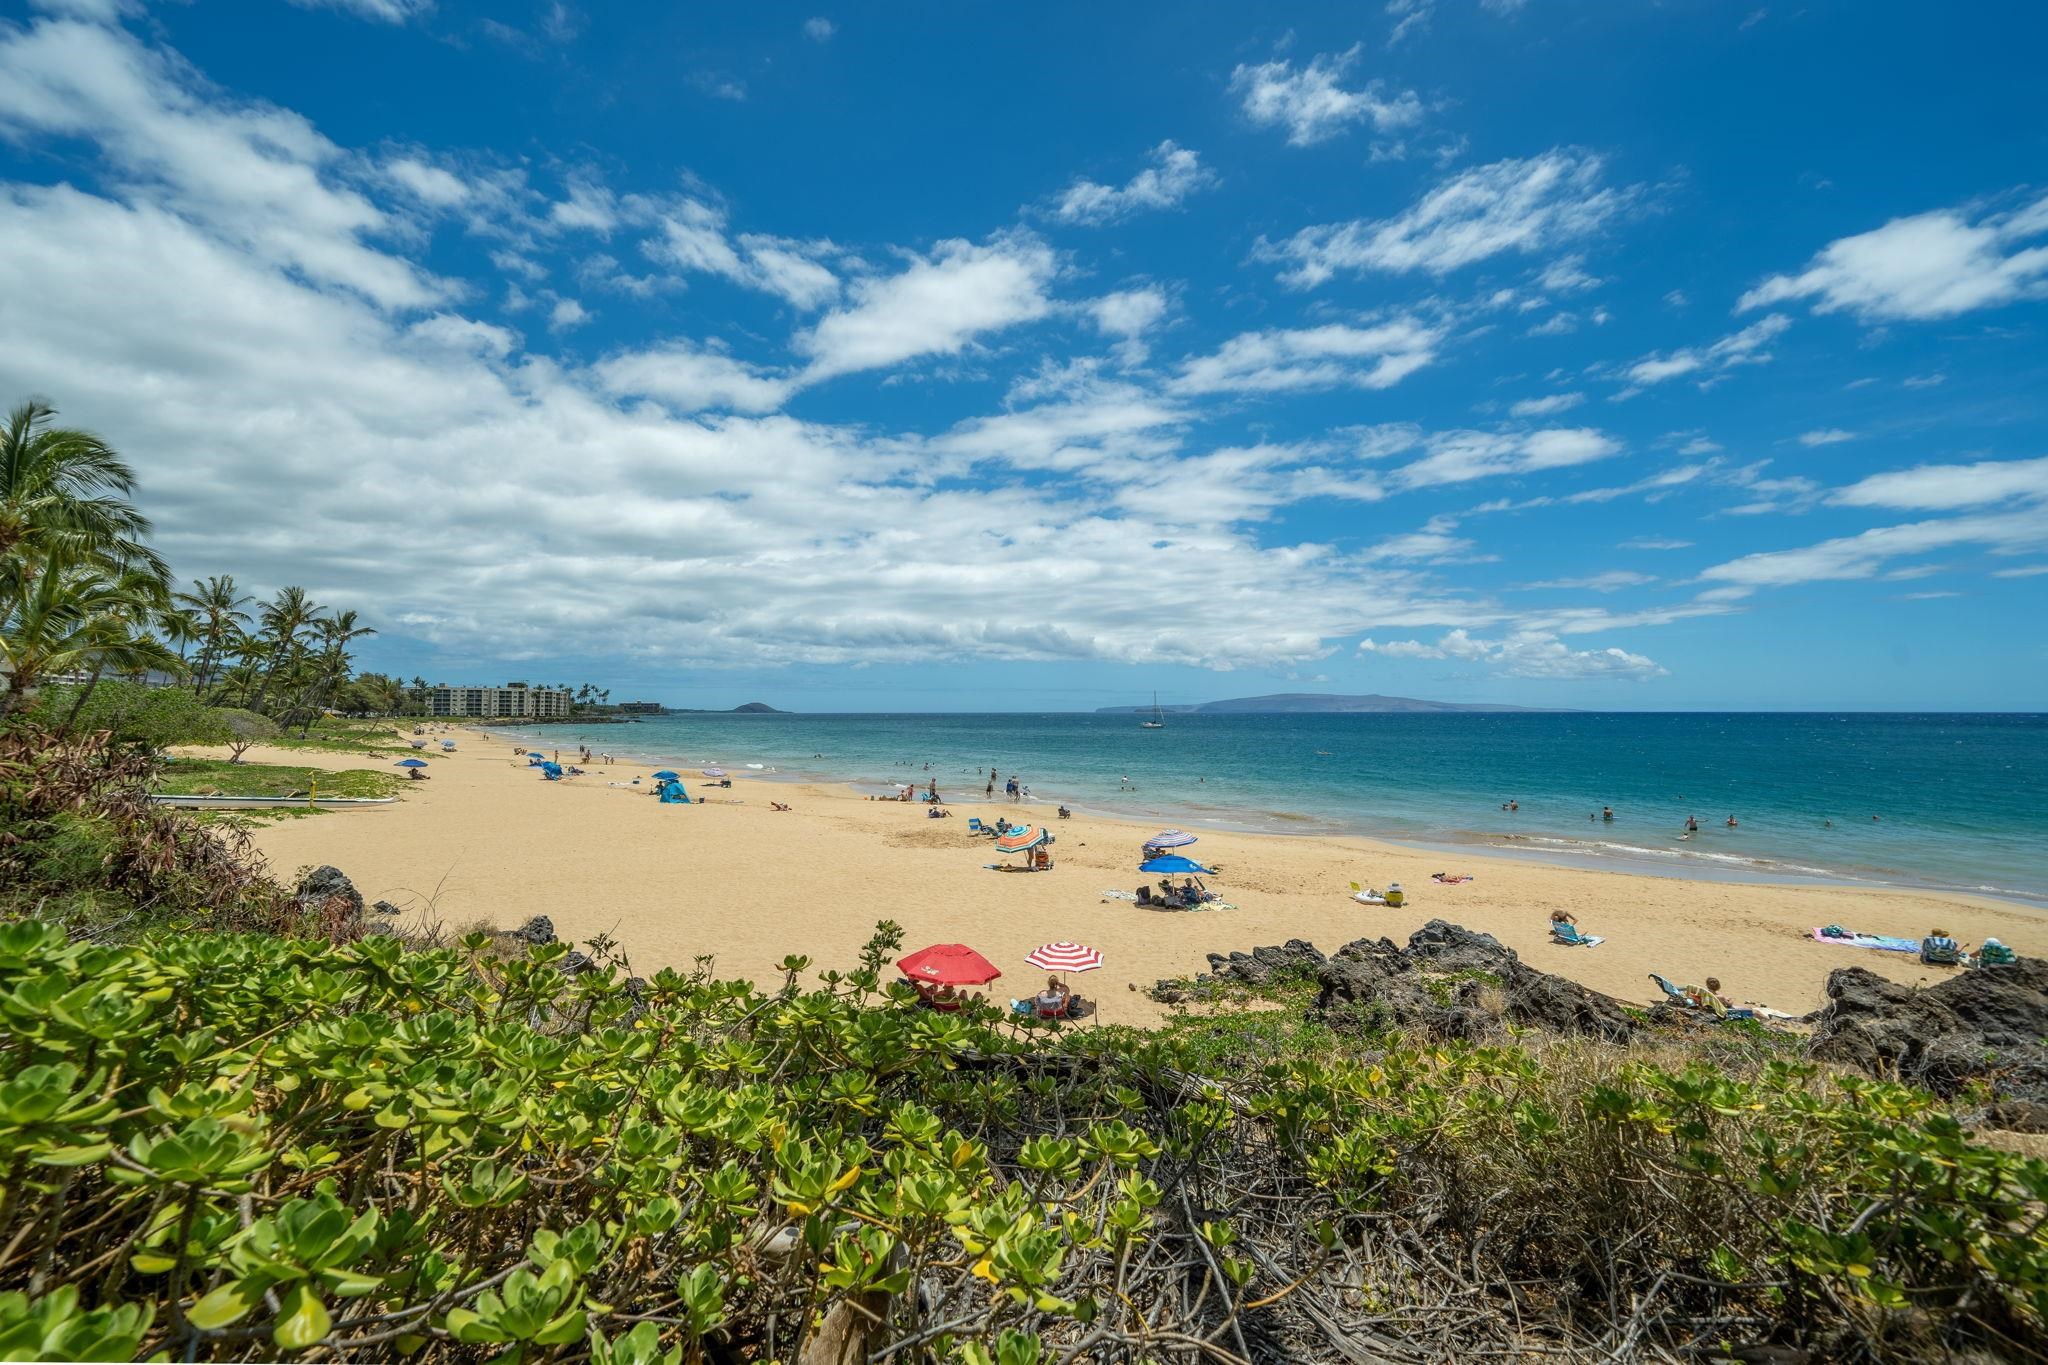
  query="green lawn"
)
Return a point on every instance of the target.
[
  {"x": 334, "y": 735},
  {"x": 216, "y": 777}
]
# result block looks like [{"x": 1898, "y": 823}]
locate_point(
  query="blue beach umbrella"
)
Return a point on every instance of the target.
[
  {"x": 668, "y": 775},
  {"x": 409, "y": 763},
  {"x": 1173, "y": 862}
]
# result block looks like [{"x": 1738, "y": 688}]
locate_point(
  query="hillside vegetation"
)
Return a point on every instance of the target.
[{"x": 311, "y": 1142}]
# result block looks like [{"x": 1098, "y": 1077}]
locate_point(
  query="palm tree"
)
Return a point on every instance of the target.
[
  {"x": 218, "y": 605},
  {"x": 63, "y": 490},
  {"x": 281, "y": 622},
  {"x": 76, "y": 617},
  {"x": 337, "y": 632}
]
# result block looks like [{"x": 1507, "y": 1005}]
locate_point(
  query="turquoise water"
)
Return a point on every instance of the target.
[{"x": 1962, "y": 800}]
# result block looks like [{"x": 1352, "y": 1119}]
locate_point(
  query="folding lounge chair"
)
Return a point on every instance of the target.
[
  {"x": 974, "y": 825},
  {"x": 1569, "y": 935}
]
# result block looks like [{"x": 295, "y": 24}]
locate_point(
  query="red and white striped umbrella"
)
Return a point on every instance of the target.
[{"x": 1065, "y": 957}]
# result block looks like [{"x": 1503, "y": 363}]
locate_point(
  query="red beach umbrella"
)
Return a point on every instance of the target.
[
  {"x": 949, "y": 964},
  {"x": 1065, "y": 957}
]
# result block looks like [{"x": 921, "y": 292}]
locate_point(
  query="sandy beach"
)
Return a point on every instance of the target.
[{"x": 487, "y": 840}]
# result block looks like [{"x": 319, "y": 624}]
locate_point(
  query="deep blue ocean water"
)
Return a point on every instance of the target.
[{"x": 1962, "y": 800}]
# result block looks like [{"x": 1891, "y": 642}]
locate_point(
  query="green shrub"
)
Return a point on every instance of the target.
[{"x": 230, "y": 1146}]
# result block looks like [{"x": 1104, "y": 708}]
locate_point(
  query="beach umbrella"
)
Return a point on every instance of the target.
[
  {"x": 949, "y": 964},
  {"x": 1021, "y": 838},
  {"x": 668, "y": 775},
  {"x": 409, "y": 763},
  {"x": 1065, "y": 957},
  {"x": 713, "y": 772},
  {"x": 1173, "y": 862},
  {"x": 1170, "y": 838}
]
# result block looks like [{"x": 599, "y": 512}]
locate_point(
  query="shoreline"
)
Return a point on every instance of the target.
[
  {"x": 487, "y": 841},
  {"x": 1592, "y": 856}
]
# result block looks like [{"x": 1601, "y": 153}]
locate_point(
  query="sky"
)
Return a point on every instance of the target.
[{"x": 963, "y": 357}]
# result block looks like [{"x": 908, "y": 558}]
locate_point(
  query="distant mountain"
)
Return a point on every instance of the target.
[
  {"x": 1315, "y": 703},
  {"x": 757, "y": 708}
]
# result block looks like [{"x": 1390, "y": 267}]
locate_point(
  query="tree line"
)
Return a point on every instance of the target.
[{"x": 85, "y": 599}]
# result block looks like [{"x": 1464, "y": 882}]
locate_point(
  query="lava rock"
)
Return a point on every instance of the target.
[
  {"x": 1539, "y": 1000},
  {"x": 328, "y": 889},
  {"x": 538, "y": 930},
  {"x": 1448, "y": 947},
  {"x": 385, "y": 908},
  {"x": 1986, "y": 1024}
]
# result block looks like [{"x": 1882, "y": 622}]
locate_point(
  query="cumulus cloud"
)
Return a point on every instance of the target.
[
  {"x": 820, "y": 30},
  {"x": 691, "y": 378},
  {"x": 691, "y": 236},
  {"x": 1312, "y": 104},
  {"x": 1931, "y": 265},
  {"x": 1746, "y": 347},
  {"x": 1175, "y": 173},
  {"x": 1128, "y": 312},
  {"x": 1524, "y": 206},
  {"x": 1332, "y": 356},
  {"x": 937, "y": 305},
  {"x": 1524, "y": 654}
]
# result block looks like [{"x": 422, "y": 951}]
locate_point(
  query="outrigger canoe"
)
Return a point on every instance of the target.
[{"x": 253, "y": 802}]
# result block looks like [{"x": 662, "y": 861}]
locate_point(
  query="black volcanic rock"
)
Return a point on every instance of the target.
[{"x": 1985, "y": 1024}]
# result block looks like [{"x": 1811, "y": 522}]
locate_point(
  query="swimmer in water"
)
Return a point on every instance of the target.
[
  {"x": 1692, "y": 824},
  {"x": 1731, "y": 822},
  {"x": 1607, "y": 812}
]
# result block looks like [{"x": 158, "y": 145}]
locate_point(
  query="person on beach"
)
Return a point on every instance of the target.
[
  {"x": 990, "y": 794},
  {"x": 1607, "y": 813},
  {"x": 1692, "y": 824},
  {"x": 1053, "y": 999},
  {"x": 1563, "y": 917}
]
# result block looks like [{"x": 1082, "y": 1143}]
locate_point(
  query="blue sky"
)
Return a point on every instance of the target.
[{"x": 938, "y": 357}]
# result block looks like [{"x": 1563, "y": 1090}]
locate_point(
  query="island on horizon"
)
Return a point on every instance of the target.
[{"x": 1324, "y": 703}]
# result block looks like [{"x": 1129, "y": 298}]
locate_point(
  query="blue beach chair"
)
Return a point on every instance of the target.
[{"x": 1569, "y": 935}]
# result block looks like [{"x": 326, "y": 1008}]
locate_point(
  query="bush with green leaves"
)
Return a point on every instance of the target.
[{"x": 230, "y": 1147}]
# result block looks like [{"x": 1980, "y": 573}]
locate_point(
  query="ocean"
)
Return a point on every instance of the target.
[{"x": 1956, "y": 802}]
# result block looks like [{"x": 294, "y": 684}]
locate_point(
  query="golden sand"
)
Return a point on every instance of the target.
[{"x": 487, "y": 840}]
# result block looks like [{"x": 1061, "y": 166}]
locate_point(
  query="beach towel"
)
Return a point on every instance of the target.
[
  {"x": 1569, "y": 937},
  {"x": 1878, "y": 941},
  {"x": 1448, "y": 879},
  {"x": 1120, "y": 895}
]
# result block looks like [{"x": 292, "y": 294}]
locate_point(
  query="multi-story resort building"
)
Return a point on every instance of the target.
[{"x": 499, "y": 703}]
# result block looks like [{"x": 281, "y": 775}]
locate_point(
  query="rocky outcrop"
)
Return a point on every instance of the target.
[
  {"x": 327, "y": 892},
  {"x": 1988, "y": 1024},
  {"x": 1447, "y": 982},
  {"x": 537, "y": 931}
]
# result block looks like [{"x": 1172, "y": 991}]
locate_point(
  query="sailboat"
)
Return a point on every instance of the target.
[{"x": 1158, "y": 721}]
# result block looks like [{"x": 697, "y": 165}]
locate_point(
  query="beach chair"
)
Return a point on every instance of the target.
[
  {"x": 974, "y": 825},
  {"x": 1673, "y": 993},
  {"x": 1569, "y": 935}
]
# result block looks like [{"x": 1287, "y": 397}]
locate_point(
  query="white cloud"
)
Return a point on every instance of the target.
[
  {"x": 1567, "y": 275},
  {"x": 1129, "y": 312},
  {"x": 1546, "y": 405},
  {"x": 1311, "y": 103},
  {"x": 2024, "y": 571},
  {"x": 567, "y": 314},
  {"x": 1746, "y": 347},
  {"x": 1462, "y": 456},
  {"x": 1931, "y": 265},
  {"x": 1330, "y": 356},
  {"x": 381, "y": 11},
  {"x": 820, "y": 30},
  {"x": 1826, "y": 436},
  {"x": 1176, "y": 173},
  {"x": 936, "y": 306},
  {"x": 1865, "y": 555},
  {"x": 1524, "y": 654},
  {"x": 1526, "y": 206},
  {"x": 260, "y": 176},
  {"x": 1612, "y": 581},
  {"x": 1949, "y": 487},
  {"x": 690, "y": 235},
  {"x": 691, "y": 378},
  {"x": 718, "y": 85},
  {"x": 1654, "y": 543}
]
